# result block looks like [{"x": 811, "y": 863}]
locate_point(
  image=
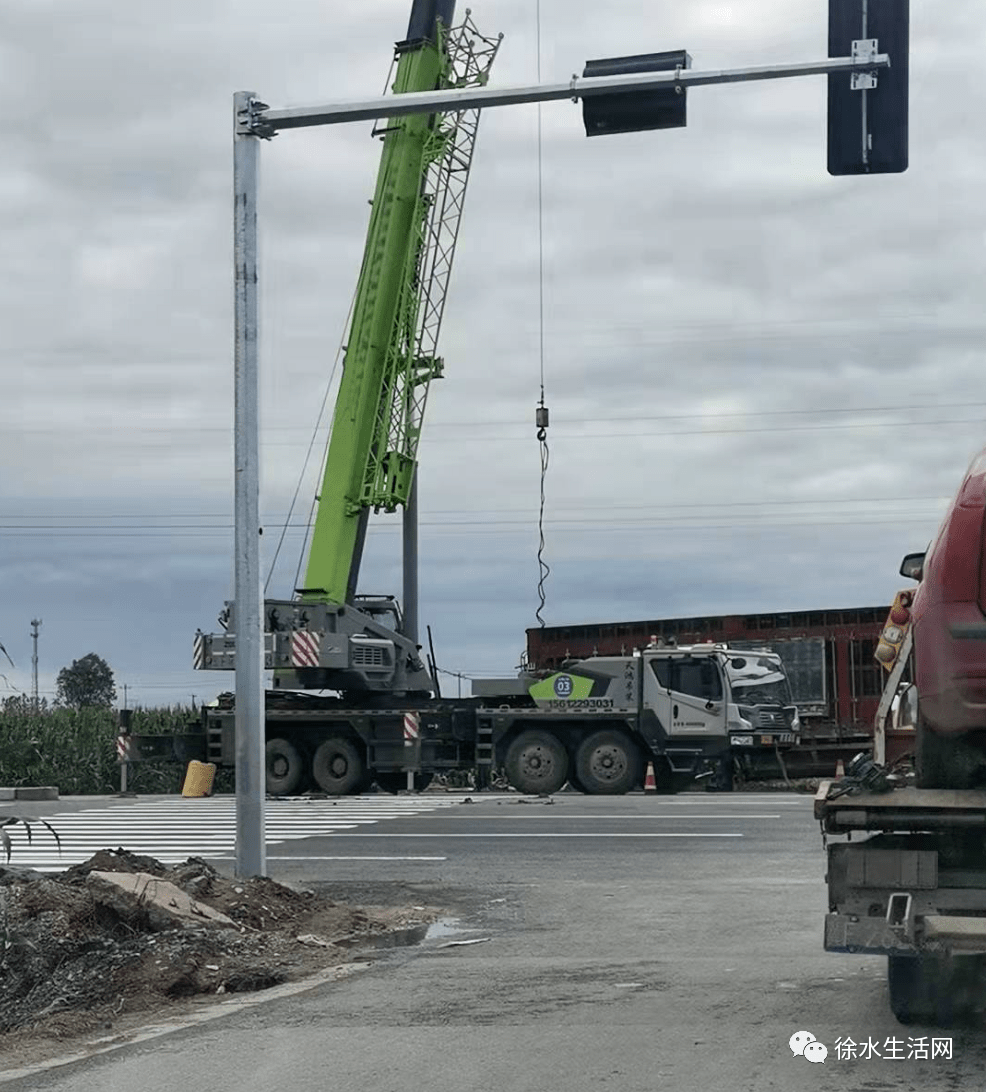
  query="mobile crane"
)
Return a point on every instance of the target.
[
  {"x": 909, "y": 880},
  {"x": 596, "y": 722}
]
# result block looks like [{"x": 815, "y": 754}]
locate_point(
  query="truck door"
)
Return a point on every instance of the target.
[{"x": 686, "y": 694}]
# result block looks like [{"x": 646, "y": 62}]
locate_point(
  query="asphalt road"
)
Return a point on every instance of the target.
[{"x": 635, "y": 943}]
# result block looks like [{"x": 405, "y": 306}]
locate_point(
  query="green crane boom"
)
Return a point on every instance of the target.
[
  {"x": 390, "y": 359},
  {"x": 327, "y": 637}
]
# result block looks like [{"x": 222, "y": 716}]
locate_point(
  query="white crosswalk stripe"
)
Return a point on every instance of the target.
[{"x": 171, "y": 830}]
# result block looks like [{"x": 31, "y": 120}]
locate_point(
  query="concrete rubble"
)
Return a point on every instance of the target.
[{"x": 161, "y": 904}]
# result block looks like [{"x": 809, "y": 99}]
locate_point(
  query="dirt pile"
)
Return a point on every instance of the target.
[{"x": 71, "y": 962}]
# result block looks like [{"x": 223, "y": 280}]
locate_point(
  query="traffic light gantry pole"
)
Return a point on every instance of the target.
[
  {"x": 253, "y": 119},
  {"x": 266, "y": 122}
]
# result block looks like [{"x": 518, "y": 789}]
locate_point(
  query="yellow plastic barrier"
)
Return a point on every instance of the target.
[{"x": 199, "y": 778}]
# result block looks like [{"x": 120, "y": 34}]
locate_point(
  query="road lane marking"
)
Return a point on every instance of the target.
[
  {"x": 550, "y": 834},
  {"x": 309, "y": 857},
  {"x": 627, "y": 818}
]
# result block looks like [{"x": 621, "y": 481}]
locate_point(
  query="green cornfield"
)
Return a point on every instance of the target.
[{"x": 75, "y": 750}]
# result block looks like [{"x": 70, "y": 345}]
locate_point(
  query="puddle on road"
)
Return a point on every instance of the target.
[{"x": 442, "y": 929}]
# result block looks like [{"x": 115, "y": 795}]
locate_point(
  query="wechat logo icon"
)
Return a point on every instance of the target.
[{"x": 804, "y": 1045}]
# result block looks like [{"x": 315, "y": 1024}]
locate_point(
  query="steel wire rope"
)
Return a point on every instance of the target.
[{"x": 544, "y": 570}]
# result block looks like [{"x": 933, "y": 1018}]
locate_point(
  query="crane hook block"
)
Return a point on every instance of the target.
[{"x": 541, "y": 417}]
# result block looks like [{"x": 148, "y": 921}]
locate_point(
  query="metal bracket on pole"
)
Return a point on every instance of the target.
[
  {"x": 250, "y": 120},
  {"x": 864, "y": 50}
]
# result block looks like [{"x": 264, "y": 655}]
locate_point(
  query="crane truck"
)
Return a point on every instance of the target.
[
  {"x": 594, "y": 723},
  {"x": 907, "y": 855}
]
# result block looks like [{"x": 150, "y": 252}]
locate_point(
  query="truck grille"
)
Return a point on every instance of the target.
[{"x": 368, "y": 656}]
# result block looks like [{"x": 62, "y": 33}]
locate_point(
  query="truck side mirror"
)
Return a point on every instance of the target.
[{"x": 913, "y": 566}]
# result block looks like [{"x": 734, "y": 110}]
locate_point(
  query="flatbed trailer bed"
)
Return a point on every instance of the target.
[{"x": 918, "y": 881}]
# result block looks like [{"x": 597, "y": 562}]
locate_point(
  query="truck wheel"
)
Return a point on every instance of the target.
[
  {"x": 931, "y": 759},
  {"x": 920, "y": 990},
  {"x": 338, "y": 768},
  {"x": 395, "y": 781},
  {"x": 608, "y": 763},
  {"x": 948, "y": 762},
  {"x": 285, "y": 767},
  {"x": 536, "y": 762}
]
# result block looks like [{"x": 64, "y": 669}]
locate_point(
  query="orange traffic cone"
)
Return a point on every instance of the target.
[
  {"x": 650, "y": 782},
  {"x": 840, "y": 769}
]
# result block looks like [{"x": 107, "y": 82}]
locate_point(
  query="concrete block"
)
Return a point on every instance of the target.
[
  {"x": 136, "y": 894},
  {"x": 36, "y": 792}
]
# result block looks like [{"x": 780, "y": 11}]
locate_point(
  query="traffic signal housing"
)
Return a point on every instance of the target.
[{"x": 635, "y": 111}]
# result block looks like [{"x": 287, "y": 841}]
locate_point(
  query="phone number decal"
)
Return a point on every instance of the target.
[{"x": 583, "y": 703}]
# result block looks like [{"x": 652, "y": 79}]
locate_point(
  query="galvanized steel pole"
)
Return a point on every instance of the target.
[{"x": 251, "y": 857}]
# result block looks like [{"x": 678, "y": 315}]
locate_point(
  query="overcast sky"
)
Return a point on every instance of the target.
[{"x": 764, "y": 382}]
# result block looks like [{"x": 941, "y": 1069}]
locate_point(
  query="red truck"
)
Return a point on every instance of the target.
[
  {"x": 949, "y": 662},
  {"x": 913, "y": 887}
]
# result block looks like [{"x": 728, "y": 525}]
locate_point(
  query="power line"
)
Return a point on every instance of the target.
[
  {"x": 438, "y": 425},
  {"x": 269, "y": 518},
  {"x": 514, "y": 527}
]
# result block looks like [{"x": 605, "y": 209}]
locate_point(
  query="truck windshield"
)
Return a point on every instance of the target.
[{"x": 758, "y": 680}]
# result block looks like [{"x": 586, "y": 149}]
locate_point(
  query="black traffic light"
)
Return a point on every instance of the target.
[
  {"x": 867, "y": 125},
  {"x": 635, "y": 111}
]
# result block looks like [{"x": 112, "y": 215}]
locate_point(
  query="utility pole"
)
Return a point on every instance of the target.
[
  {"x": 125, "y": 706},
  {"x": 251, "y": 848},
  {"x": 35, "y": 627}
]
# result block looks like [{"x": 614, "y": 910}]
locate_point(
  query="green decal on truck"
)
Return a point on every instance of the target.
[{"x": 562, "y": 686}]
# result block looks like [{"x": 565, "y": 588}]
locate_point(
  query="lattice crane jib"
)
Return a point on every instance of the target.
[{"x": 392, "y": 351}]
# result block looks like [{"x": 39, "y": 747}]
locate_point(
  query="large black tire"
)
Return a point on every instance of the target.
[
  {"x": 912, "y": 988},
  {"x": 949, "y": 761},
  {"x": 608, "y": 763},
  {"x": 338, "y": 767},
  {"x": 932, "y": 759},
  {"x": 536, "y": 762},
  {"x": 396, "y": 781},
  {"x": 937, "y": 990},
  {"x": 285, "y": 767}
]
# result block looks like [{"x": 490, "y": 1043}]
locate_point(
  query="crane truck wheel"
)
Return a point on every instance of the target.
[
  {"x": 285, "y": 767},
  {"x": 536, "y": 762},
  {"x": 608, "y": 763},
  {"x": 338, "y": 768}
]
